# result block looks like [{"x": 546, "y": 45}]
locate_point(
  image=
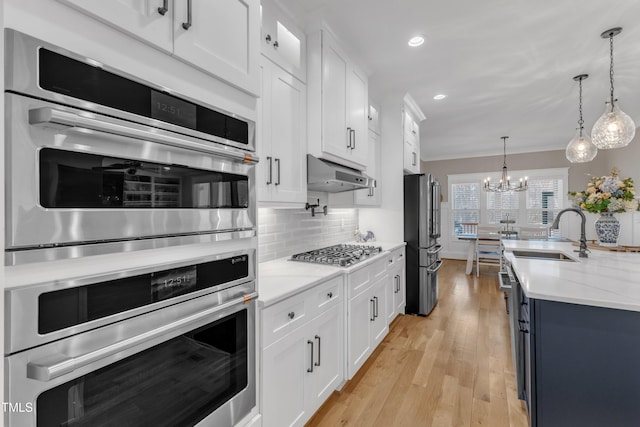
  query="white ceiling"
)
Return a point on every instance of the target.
[{"x": 506, "y": 65}]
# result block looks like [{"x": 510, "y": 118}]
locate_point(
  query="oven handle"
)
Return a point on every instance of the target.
[
  {"x": 57, "y": 365},
  {"x": 49, "y": 115}
]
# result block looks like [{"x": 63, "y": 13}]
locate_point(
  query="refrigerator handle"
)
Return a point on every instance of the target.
[
  {"x": 434, "y": 270},
  {"x": 435, "y": 206},
  {"x": 437, "y": 249}
]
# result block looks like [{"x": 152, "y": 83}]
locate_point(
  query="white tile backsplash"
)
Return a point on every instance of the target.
[{"x": 283, "y": 232}]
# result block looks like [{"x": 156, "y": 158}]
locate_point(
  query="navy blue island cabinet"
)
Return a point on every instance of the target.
[{"x": 581, "y": 363}]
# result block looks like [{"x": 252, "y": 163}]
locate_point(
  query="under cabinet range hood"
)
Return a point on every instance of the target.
[{"x": 323, "y": 175}]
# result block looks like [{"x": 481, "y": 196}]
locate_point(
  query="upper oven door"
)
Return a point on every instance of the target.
[{"x": 79, "y": 177}]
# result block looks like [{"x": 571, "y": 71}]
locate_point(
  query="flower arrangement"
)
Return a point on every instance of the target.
[{"x": 607, "y": 194}]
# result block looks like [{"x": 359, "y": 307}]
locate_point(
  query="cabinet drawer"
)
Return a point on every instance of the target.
[
  {"x": 379, "y": 267},
  {"x": 282, "y": 318},
  {"x": 325, "y": 296},
  {"x": 396, "y": 257},
  {"x": 360, "y": 279}
]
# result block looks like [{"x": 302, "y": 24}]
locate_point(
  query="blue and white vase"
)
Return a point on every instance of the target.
[{"x": 608, "y": 229}]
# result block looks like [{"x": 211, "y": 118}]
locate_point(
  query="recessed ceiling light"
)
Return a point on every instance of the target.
[
  {"x": 440, "y": 96},
  {"x": 416, "y": 41}
]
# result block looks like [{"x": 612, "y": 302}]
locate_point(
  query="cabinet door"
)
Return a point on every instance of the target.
[
  {"x": 391, "y": 289},
  {"x": 328, "y": 335},
  {"x": 400, "y": 299},
  {"x": 371, "y": 197},
  {"x": 358, "y": 107},
  {"x": 288, "y": 137},
  {"x": 336, "y": 137},
  {"x": 374, "y": 118},
  {"x": 284, "y": 374},
  {"x": 359, "y": 320},
  {"x": 143, "y": 19},
  {"x": 380, "y": 326},
  {"x": 264, "y": 169},
  {"x": 221, "y": 37},
  {"x": 283, "y": 41}
]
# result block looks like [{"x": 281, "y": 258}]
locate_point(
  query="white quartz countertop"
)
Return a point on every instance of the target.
[
  {"x": 604, "y": 279},
  {"x": 282, "y": 278}
]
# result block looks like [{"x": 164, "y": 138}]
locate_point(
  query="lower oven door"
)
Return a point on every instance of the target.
[{"x": 200, "y": 368}]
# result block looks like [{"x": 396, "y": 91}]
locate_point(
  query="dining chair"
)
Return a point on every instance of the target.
[{"x": 488, "y": 246}]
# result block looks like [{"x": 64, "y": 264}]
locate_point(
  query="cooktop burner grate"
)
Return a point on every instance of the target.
[{"x": 342, "y": 255}]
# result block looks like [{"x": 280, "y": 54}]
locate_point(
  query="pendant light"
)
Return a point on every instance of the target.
[
  {"x": 614, "y": 129},
  {"x": 505, "y": 181},
  {"x": 580, "y": 149}
]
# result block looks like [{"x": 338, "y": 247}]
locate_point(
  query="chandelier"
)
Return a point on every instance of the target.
[
  {"x": 505, "y": 181},
  {"x": 580, "y": 149},
  {"x": 614, "y": 129}
]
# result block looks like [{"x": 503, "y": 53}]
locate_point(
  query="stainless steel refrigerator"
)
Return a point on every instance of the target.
[{"x": 421, "y": 232}]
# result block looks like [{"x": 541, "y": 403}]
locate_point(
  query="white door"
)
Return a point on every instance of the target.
[
  {"x": 288, "y": 137},
  {"x": 335, "y": 135},
  {"x": 391, "y": 290},
  {"x": 283, "y": 41},
  {"x": 360, "y": 318},
  {"x": 371, "y": 197},
  {"x": 284, "y": 374},
  {"x": 400, "y": 296},
  {"x": 358, "y": 106},
  {"x": 380, "y": 326},
  {"x": 221, "y": 37},
  {"x": 264, "y": 169},
  {"x": 148, "y": 20},
  {"x": 328, "y": 334}
]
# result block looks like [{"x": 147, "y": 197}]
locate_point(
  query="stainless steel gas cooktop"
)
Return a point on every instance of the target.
[{"x": 342, "y": 255}]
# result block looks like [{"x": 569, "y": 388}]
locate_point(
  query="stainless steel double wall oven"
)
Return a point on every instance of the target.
[{"x": 97, "y": 162}]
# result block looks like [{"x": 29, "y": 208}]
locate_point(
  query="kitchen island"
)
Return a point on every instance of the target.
[{"x": 580, "y": 321}]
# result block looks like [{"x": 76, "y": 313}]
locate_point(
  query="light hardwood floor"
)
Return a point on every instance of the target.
[{"x": 452, "y": 368}]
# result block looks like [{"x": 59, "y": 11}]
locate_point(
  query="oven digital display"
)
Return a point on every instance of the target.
[
  {"x": 173, "y": 110},
  {"x": 171, "y": 283}
]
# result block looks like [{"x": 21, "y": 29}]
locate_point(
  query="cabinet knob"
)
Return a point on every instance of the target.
[
  {"x": 276, "y": 44},
  {"x": 268, "y": 38},
  {"x": 330, "y": 295},
  {"x": 291, "y": 315}
]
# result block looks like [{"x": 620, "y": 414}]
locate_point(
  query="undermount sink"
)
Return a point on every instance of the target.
[{"x": 553, "y": 256}]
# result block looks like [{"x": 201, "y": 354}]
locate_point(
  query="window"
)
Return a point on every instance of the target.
[
  {"x": 544, "y": 200},
  {"x": 465, "y": 206},
  {"x": 539, "y": 205}
]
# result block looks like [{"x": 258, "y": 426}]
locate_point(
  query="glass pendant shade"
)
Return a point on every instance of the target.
[
  {"x": 614, "y": 129},
  {"x": 581, "y": 149}
]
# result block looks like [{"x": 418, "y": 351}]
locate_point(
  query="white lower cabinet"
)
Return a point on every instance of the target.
[
  {"x": 302, "y": 368},
  {"x": 366, "y": 313},
  {"x": 396, "y": 284}
]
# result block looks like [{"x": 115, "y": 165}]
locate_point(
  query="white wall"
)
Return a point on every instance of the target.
[
  {"x": 284, "y": 232},
  {"x": 387, "y": 221}
]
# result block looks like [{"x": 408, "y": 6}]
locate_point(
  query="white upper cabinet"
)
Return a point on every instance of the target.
[
  {"x": 371, "y": 196},
  {"x": 219, "y": 37},
  {"x": 338, "y": 100},
  {"x": 282, "y": 146},
  {"x": 151, "y": 21},
  {"x": 374, "y": 118},
  {"x": 411, "y": 135},
  {"x": 283, "y": 41},
  {"x": 411, "y": 117}
]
